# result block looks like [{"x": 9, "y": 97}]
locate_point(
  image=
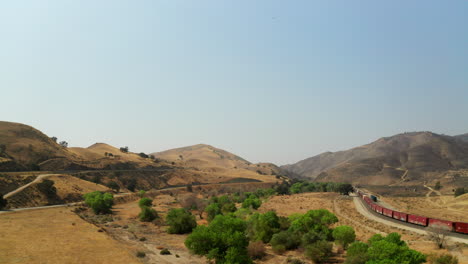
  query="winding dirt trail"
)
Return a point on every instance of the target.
[{"x": 38, "y": 179}]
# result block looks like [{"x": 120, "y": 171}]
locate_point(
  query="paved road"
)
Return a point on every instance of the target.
[{"x": 365, "y": 211}]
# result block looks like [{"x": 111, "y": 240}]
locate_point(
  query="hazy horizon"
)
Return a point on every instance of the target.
[{"x": 270, "y": 81}]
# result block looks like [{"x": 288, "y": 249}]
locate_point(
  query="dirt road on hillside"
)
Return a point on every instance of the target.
[
  {"x": 365, "y": 211},
  {"x": 38, "y": 179}
]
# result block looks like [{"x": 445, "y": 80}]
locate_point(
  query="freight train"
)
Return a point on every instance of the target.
[{"x": 459, "y": 227}]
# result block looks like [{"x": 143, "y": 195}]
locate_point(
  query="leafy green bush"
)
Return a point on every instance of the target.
[
  {"x": 344, "y": 235},
  {"x": 252, "y": 202},
  {"x": 383, "y": 250},
  {"x": 147, "y": 214},
  {"x": 228, "y": 208},
  {"x": 145, "y": 202},
  {"x": 357, "y": 253},
  {"x": 141, "y": 193},
  {"x": 263, "y": 226},
  {"x": 223, "y": 240},
  {"x": 319, "y": 251},
  {"x": 316, "y": 220},
  {"x": 101, "y": 203},
  {"x": 180, "y": 221},
  {"x": 212, "y": 211},
  {"x": 311, "y": 237},
  {"x": 165, "y": 251},
  {"x": 443, "y": 259},
  {"x": 287, "y": 239}
]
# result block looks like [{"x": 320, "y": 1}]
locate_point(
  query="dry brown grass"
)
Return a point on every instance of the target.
[{"x": 56, "y": 236}]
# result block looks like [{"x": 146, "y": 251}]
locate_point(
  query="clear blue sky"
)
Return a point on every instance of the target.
[{"x": 275, "y": 81}]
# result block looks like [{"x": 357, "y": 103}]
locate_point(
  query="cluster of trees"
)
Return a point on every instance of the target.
[
  {"x": 124, "y": 149},
  {"x": 302, "y": 186},
  {"x": 379, "y": 249},
  {"x": 61, "y": 143},
  {"x": 147, "y": 213},
  {"x": 100, "y": 203},
  {"x": 227, "y": 238}
]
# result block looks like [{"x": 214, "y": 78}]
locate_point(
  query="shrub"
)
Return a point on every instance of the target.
[
  {"x": 391, "y": 247},
  {"x": 114, "y": 186},
  {"x": 443, "y": 259},
  {"x": 141, "y": 254},
  {"x": 279, "y": 249},
  {"x": 459, "y": 191},
  {"x": 228, "y": 208},
  {"x": 312, "y": 237},
  {"x": 357, "y": 253},
  {"x": 344, "y": 235},
  {"x": 101, "y": 203},
  {"x": 147, "y": 214},
  {"x": 47, "y": 188},
  {"x": 316, "y": 220},
  {"x": 252, "y": 202},
  {"x": 141, "y": 193},
  {"x": 319, "y": 251},
  {"x": 223, "y": 240},
  {"x": 165, "y": 251},
  {"x": 180, "y": 221},
  {"x": 263, "y": 226},
  {"x": 145, "y": 202},
  {"x": 256, "y": 250},
  {"x": 286, "y": 238},
  {"x": 212, "y": 210}
]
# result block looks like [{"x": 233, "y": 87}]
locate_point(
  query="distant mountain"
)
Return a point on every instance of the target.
[
  {"x": 210, "y": 159},
  {"x": 463, "y": 137},
  {"x": 400, "y": 158}
]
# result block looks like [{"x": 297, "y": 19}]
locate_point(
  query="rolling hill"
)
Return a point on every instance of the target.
[
  {"x": 416, "y": 156},
  {"x": 23, "y": 147}
]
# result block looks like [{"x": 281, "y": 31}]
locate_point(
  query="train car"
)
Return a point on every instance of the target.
[
  {"x": 441, "y": 223},
  {"x": 379, "y": 209},
  {"x": 417, "y": 220},
  {"x": 400, "y": 216},
  {"x": 461, "y": 227},
  {"x": 387, "y": 212}
]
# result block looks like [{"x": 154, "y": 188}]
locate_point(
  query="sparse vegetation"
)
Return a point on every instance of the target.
[
  {"x": 141, "y": 193},
  {"x": 438, "y": 234},
  {"x": 443, "y": 258},
  {"x": 114, "y": 186},
  {"x": 180, "y": 221},
  {"x": 165, "y": 251},
  {"x": 145, "y": 202},
  {"x": 141, "y": 254},
  {"x": 147, "y": 213},
  {"x": 319, "y": 251},
  {"x": 101, "y": 203},
  {"x": 256, "y": 250},
  {"x": 124, "y": 149},
  {"x": 459, "y": 191},
  {"x": 437, "y": 186},
  {"x": 47, "y": 188}
]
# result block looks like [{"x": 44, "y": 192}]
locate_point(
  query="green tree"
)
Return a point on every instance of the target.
[
  {"x": 357, "y": 253},
  {"x": 316, "y": 220},
  {"x": 319, "y": 251},
  {"x": 147, "y": 214},
  {"x": 141, "y": 193},
  {"x": 114, "y": 186},
  {"x": 345, "y": 188},
  {"x": 252, "y": 202},
  {"x": 101, "y": 203},
  {"x": 223, "y": 240},
  {"x": 180, "y": 221},
  {"x": 285, "y": 239},
  {"x": 145, "y": 202},
  {"x": 263, "y": 226},
  {"x": 212, "y": 211},
  {"x": 391, "y": 250},
  {"x": 228, "y": 208},
  {"x": 344, "y": 235}
]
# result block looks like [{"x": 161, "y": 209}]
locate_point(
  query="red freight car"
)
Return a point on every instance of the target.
[
  {"x": 400, "y": 216},
  {"x": 387, "y": 212},
  {"x": 442, "y": 223},
  {"x": 378, "y": 209},
  {"x": 418, "y": 220},
  {"x": 461, "y": 227}
]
